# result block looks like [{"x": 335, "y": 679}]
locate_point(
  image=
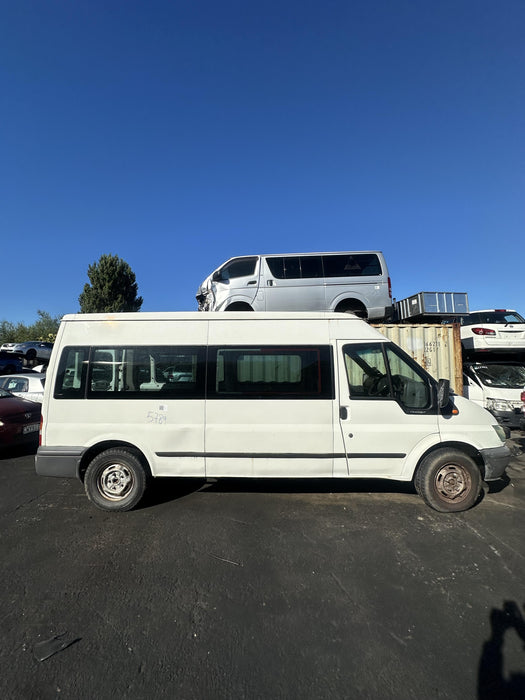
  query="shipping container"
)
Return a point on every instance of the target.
[
  {"x": 435, "y": 347},
  {"x": 440, "y": 304}
]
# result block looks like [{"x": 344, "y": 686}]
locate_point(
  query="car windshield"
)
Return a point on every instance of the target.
[
  {"x": 493, "y": 317},
  {"x": 501, "y": 376},
  {"x": 6, "y": 394}
]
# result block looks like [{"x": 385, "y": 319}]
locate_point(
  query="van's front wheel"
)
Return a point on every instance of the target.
[
  {"x": 449, "y": 481},
  {"x": 115, "y": 480}
]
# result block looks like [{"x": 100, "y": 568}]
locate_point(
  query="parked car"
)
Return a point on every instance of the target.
[
  {"x": 26, "y": 386},
  {"x": 19, "y": 420},
  {"x": 29, "y": 350},
  {"x": 493, "y": 330},
  {"x": 9, "y": 363},
  {"x": 500, "y": 388}
]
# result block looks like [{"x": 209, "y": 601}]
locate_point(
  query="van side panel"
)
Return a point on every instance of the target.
[{"x": 168, "y": 431}]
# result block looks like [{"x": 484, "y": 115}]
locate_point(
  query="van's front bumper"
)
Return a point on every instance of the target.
[
  {"x": 496, "y": 460},
  {"x": 63, "y": 462}
]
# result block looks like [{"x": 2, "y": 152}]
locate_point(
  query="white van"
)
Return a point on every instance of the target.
[
  {"x": 133, "y": 396},
  {"x": 498, "y": 386},
  {"x": 355, "y": 282}
]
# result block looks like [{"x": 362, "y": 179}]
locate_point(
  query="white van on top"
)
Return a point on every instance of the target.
[
  {"x": 355, "y": 282},
  {"x": 134, "y": 396}
]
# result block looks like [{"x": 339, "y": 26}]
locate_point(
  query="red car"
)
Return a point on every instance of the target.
[{"x": 19, "y": 420}]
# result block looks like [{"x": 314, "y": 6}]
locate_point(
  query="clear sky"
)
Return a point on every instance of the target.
[{"x": 176, "y": 134}]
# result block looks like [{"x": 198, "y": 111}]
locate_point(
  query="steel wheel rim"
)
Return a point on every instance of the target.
[
  {"x": 453, "y": 483},
  {"x": 116, "y": 482}
]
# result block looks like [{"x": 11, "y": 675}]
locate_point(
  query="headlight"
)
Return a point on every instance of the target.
[
  {"x": 499, "y": 405},
  {"x": 501, "y": 432}
]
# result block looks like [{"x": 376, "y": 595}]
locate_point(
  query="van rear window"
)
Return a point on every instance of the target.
[
  {"x": 316, "y": 266},
  {"x": 131, "y": 372}
]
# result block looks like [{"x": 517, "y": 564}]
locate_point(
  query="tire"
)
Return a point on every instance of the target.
[
  {"x": 353, "y": 308},
  {"x": 239, "y": 306},
  {"x": 31, "y": 355},
  {"x": 449, "y": 481},
  {"x": 115, "y": 480}
]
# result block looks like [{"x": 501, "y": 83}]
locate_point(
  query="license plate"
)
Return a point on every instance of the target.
[{"x": 31, "y": 428}]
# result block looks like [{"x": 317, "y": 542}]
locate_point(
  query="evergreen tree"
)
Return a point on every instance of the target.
[{"x": 113, "y": 287}]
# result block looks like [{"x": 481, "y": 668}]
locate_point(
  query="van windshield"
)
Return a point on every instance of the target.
[{"x": 501, "y": 376}]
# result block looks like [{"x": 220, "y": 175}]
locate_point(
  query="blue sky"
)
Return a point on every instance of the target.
[{"x": 178, "y": 134}]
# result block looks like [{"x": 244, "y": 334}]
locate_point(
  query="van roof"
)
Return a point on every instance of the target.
[
  {"x": 354, "y": 326},
  {"x": 215, "y": 316}
]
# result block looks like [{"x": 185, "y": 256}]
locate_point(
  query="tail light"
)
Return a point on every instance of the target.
[
  {"x": 40, "y": 431},
  {"x": 523, "y": 395},
  {"x": 389, "y": 288},
  {"x": 483, "y": 331}
]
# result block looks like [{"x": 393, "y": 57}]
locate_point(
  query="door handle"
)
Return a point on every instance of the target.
[
  {"x": 343, "y": 412},
  {"x": 269, "y": 283},
  {"x": 252, "y": 282}
]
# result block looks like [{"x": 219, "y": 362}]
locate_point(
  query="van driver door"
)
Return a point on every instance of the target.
[{"x": 386, "y": 408}]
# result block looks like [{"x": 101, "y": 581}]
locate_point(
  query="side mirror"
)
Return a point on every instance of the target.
[{"x": 443, "y": 393}]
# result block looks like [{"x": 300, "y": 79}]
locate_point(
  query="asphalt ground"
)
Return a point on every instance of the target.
[{"x": 260, "y": 589}]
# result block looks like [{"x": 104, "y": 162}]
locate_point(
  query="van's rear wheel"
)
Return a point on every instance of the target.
[
  {"x": 115, "y": 480},
  {"x": 352, "y": 306},
  {"x": 449, "y": 481}
]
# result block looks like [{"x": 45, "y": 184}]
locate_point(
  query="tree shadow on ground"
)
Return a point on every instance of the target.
[{"x": 492, "y": 682}]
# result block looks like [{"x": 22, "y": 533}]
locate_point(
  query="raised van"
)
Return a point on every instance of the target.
[{"x": 355, "y": 282}]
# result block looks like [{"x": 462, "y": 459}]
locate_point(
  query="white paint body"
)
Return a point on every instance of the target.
[{"x": 333, "y": 437}]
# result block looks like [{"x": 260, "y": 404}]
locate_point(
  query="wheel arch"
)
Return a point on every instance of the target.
[
  {"x": 349, "y": 304},
  {"x": 239, "y": 306},
  {"x": 95, "y": 450},
  {"x": 469, "y": 450}
]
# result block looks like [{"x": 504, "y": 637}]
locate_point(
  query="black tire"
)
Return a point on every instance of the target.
[
  {"x": 239, "y": 306},
  {"x": 449, "y": 481},
  {"x": 10, "y": 369},
  {"x": 115, "y": 480},
  {"x": 353, "y": 307},
  {"x": 31, "y": 355}
]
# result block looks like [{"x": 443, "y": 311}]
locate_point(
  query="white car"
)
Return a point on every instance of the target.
[
  {"x": 30, "y": 350},
  {"x": 26, "y": 386},
  {"x": 495, "y": 330}
]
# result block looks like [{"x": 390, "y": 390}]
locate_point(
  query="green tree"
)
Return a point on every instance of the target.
[
  {"x": 45, "y": 328},
  {"x": 113, "y": 287}
]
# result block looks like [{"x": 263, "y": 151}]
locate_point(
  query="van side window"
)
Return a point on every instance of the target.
[
  {"x": 71, "y": 375},
  {"x": 272, "y": 372},
  {"x": 296, "y": 267},
  {"x": 383, "y": 371},
  {"x": 356, "y": 265},
  {"x": 134, "y": 372}
]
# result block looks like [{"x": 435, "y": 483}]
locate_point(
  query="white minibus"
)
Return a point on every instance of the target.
[
  {"x": 355, "y": 282},
  {"x": 134, "y": 396}
]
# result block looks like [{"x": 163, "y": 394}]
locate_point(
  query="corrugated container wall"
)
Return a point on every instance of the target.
[{"x": 436, "y": 347}]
